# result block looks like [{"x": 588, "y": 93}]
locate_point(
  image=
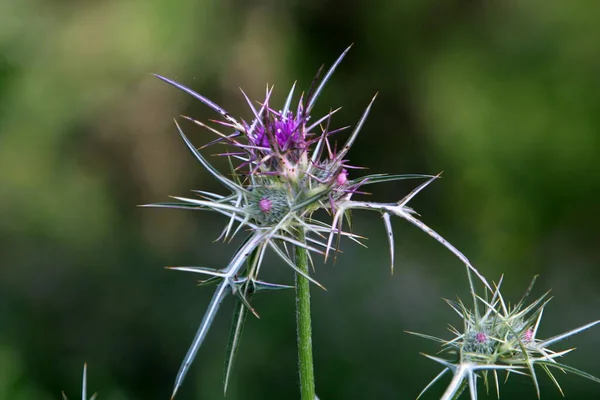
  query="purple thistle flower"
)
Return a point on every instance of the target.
[{"x": 284, "y": 128}]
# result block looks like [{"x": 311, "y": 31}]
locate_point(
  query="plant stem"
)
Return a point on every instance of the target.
[{"x": 303, "y": 323}]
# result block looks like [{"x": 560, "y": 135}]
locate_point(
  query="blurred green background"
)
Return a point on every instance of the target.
[{"x": 503, "y": 96}]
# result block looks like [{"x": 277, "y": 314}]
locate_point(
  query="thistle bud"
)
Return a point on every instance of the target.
[
  {"x": 265, "y": 205},
  {"x": 342, "y": 178}
]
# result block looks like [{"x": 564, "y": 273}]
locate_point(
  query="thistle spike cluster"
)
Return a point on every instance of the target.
[
  {"x": 498, "y": 337},
  {"x": 284, "y": 166}
]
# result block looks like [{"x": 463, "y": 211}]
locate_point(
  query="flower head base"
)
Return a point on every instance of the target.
[
  {"x": 271, "y": 206},
  {"x": 478, "y": 343},
  {"x": 283, "y": 169},
  {"x": 498, "y": 337}
]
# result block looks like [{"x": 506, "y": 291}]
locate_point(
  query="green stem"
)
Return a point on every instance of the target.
[{"x": 303, "y": 322}]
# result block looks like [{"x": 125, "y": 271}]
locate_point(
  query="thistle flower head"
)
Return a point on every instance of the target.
[
  {"x": 498, "y": 337},
  {"x": 284, "y": 166}
]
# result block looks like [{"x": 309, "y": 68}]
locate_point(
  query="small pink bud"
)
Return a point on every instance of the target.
[
  {"x": 528, "y": 335},
  {"x": 342, "y": 178},
  {"x": 481, "y": 337},
  {"x": 265, "y": 205}
]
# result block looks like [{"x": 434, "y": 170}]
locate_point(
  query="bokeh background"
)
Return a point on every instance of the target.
[{"x": 503, "y": 96}]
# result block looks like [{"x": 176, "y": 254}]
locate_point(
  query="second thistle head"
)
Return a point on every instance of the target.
[
  {"x": 287, "y": 167},
  {"x": 496, "y": 337}
]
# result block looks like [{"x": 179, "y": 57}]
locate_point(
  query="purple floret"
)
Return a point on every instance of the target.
[{"x": 286, "y": 131}]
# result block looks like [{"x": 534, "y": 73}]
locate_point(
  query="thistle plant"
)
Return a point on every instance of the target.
[
  {"x": 284, "y": 166},
  {"x": 497, "y": 337}
]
